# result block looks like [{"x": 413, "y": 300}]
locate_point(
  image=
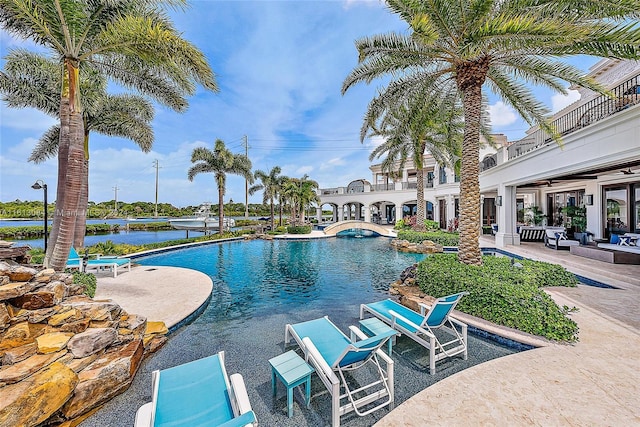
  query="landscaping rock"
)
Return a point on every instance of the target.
[
  {"x": 99, "y": 310},
  {"x": 20, "y": 273},
  {"x": 5, "y": 319},
  {"x": 68, "y": 315},
  {"x": 91, "y": 341},
  {"x": 52, "y": 342},
  {"x": 34, "y": 400},
  {"x": 156, "y": 328},
  {"x": 37, "y": 316},
  {"x": 109, "y": 375},
  {"x": 75, "y": 327},
  {"x": 15, "y": 355},
  {"x": 15, "y": 289},
  {"x": 44, "y": 276},
  {"x": 19, "y": 371}
]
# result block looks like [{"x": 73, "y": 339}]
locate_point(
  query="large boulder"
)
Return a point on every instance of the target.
[
  {"x": 91, "y": 341},
  {"x": 20, "y": 273},
  {"x": 32, "y": 401},
  {"x": 15, "y": 355},
  {"x": 105, "y": 378}
]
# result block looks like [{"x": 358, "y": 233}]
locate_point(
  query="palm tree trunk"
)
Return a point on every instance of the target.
[
  {"x": 469, "y": 249},
  {"x": 81, "y": 219},
  {"x": 272, "y": 223},
  {"x": 67, "y": 214},
  {"x": 220, "y": 209},
  {"x": 420, "y": 214},
  {"x": 280, "y": 209},
  {"x": 70, "y": 171}
]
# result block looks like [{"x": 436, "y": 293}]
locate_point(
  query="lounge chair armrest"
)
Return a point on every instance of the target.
[
  {"x": 322, "y": 367},
  {"x": 143, "y": 415},
  {"x": 240, "y": 393},
  {"x": 244, "y": 420},
  {"x": 357, "y": 334},
  {"x": 395, "y": 316},
  {"x": 424, "y": 308}
]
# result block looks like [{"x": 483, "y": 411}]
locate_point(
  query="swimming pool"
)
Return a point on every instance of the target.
[{"x": 259, "y": 286}]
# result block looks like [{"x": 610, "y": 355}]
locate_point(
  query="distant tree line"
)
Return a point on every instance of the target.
[{"x": 104, "y": 210}]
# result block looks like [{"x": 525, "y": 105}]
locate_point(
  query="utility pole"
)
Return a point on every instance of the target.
[
  {"x": 116, "y": 204},
  {"x": 155, "y": 165},
  {"x": 246, "y": 182}
]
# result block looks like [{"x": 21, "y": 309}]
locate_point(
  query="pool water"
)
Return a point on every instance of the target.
[{"x": 259, "y": 287}]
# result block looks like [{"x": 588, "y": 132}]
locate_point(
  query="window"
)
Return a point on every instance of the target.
[{"x": 443, "y": 175}]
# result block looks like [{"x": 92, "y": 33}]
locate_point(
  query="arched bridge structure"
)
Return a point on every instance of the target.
[{"x": 334, "y": 229}]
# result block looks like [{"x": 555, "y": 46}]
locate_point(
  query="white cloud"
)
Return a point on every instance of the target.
[
  {"x": 501, "y": 114},
  {"x": 331, "y": 163},
  {"x": 559, "y": 101}
]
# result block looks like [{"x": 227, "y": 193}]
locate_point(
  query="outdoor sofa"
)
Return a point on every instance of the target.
[{"x": 628, "y": 242}]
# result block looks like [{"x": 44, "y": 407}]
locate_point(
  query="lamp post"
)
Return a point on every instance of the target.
[{"x": 40, "y": 185}]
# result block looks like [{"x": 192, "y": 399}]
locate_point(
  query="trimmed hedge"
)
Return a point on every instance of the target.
[
  {"x": 502, "y": 292},
  {"x": 443, "y": 238},
  {"x": 299, "y": 229}
]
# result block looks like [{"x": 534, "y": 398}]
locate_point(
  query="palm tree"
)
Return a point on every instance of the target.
[
  {"x": 462, "y": 47},
  {"x": 220, "y": 162},
  {"x": 410, "y": 128},
  {"x": 32, "y": 80},
  {"x": 270, "y": 184},
  {"x": 300, "y": 192},
  {"x": 130, "y": 41}
]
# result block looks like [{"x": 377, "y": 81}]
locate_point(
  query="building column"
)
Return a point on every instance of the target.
[
  {"x": 319, "y": 214},
  {"x": 398, "y": 212},
  {"x": 367, "y": 213},
  {"x": 507, "y": 232},
  {"x": 340, "y": 213}
]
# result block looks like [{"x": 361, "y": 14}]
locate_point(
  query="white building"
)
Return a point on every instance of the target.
[{"x": 597, "y": 166}]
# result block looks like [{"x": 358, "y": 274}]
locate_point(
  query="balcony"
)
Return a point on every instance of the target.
[{"x": 623, "y": 96}]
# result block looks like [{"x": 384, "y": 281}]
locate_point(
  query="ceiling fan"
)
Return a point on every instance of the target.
[{"x": 627, "y": 172}]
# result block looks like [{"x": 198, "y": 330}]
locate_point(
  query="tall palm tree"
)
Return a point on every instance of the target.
[
  {"x": 33, "y": 80},
  {"x": 464, "y": 46},
  {"x": 130, "y": 41},
  {"x": 411, "y": 127},
  {"x": 300, "y": 192},
  {"x": 220, "y": 162},
  {"x": 270, "y": 185}
]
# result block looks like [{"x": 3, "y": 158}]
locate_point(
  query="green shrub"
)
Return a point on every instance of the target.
[
  {"x": 401, "y": 225},
  {"x": 298, "y": 229},
  {"x": 443, "y": 238},
  {"x": 87, "y": 280},
  {"x": 37, "y": 255},
  {"x": 160, "y": 225},
  {"x": 486, "y": 229},
  {"x": 431, "y": 225},
  {"x": 247, "y": 222},
  {"x": 502, "y": 293}
]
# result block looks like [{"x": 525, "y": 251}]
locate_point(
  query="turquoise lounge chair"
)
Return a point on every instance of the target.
[
  {"x": 197, "y": 394},
  {"x": 420, "y": 326},
  {"x": 330, "y": 352},
  {"x": 99, "y": 263}
]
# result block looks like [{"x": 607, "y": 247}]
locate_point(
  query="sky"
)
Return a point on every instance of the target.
[{"x": 280, "y": 67}]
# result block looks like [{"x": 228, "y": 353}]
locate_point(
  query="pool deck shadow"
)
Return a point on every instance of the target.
[{"x": 595, "y": 381}]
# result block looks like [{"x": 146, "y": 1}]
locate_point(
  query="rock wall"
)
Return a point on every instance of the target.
[
  {"x": 426, "y": 247},
  {"x": 63, "y": 354}
]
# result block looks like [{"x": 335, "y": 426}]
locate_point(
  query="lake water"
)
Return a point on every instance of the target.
[{"x": 123, "y": 236}]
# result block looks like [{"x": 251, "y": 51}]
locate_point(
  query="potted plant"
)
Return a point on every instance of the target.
[
  {"x": 577, "y": 217},
  {"x": 534, "y": 216}
]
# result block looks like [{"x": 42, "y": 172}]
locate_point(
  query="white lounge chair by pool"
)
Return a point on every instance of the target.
[
  {"x": 198, "y": 393},
  {"x": 331, "y": 352},
  {"x": 101, "y": 262},
  {"x": 420, "y": 326}
]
